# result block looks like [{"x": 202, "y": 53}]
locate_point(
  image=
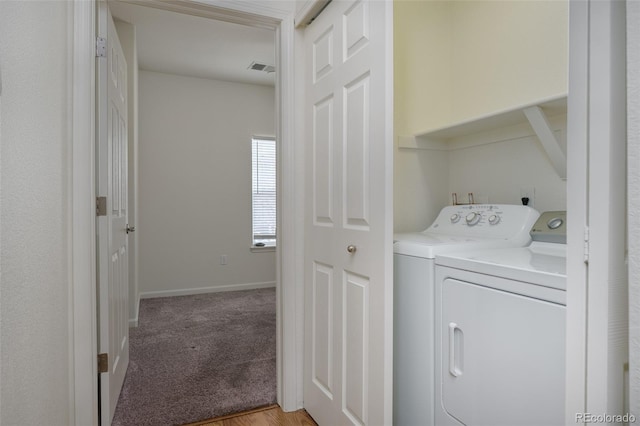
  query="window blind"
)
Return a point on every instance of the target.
[{"x": 263, "y": 188}]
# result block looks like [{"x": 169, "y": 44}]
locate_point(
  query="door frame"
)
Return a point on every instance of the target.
[
  {"x": 597, "y": 331},
  {"x": 83, "y": 380},
  {"x": 633, "y": 188}
]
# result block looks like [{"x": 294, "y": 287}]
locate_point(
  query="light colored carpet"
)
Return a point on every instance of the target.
[{"x": 199, "y": 357}]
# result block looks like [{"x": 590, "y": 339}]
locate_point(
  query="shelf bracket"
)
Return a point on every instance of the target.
[{"x": 550, "y": 143}]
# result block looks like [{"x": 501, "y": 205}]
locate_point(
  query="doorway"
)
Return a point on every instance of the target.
[
  {"x": 84, "y": 386},
  {"x": 200, "y": 88}
]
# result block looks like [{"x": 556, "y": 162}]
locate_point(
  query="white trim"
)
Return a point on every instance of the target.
[
  {"x": 389, "y": 222},
  {"x": 262, "y": 137},
  {"x": 607, "y": 332},
  {"x": 83, "y": 304},
  {"x": 289, "y": 253},
  {"x": 245, "y": 12},
  {"x": 133, "y": 322},
  {"x": 70, "y": 324},
  {"x": 295, "y": 176},
  {"x": 83, "y": 322},
  {"x": 596, "y": 273},
  {"x": 308, "y": 12},
  {"x": 205, "y": 290},
  {"x": 550, "y": 143},
  {"x": 633, "y": 188},
  {"x": 577, "y": 146}
]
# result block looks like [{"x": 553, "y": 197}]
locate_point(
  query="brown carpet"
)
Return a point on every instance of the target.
[{"x": 198, "y": 357}]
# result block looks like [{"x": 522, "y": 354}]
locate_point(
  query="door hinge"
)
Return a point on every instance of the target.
[
  {"x": 103, "y": 363},
  {"x": 101, "y": 47},
  {"x": 101, "y": 206},
  {"x": 586, "y": 244}
]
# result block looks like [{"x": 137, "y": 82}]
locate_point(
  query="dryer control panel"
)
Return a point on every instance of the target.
[{"x": 551, "y": 227}]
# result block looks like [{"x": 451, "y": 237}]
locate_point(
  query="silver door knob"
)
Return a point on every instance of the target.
[
  {"x": 131, "y": 229},
  {"x": 351, "y": 248}
]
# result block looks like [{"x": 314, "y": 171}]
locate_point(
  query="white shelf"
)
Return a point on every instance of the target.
[
  {"x": 533, "y": 116},
  {"x": 510, "y": 117}
]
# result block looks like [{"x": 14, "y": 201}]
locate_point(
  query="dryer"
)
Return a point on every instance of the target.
[
  {"x": 500, "y": 332},
  {"x": 456, "y": 228}
]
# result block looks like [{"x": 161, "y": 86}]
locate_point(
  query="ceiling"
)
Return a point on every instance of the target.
[{"x": 194, "y": 46}]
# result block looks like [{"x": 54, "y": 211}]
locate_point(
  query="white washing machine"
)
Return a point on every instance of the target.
[
  {"x": 500, "y": 332},
  {"x": 456, "y": 228}
]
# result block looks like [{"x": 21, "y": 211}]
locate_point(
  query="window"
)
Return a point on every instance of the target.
[{"x": 263, "y": 191}]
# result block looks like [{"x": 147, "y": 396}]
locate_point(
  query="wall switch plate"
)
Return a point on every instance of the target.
[{"x": 223, "y": 259}]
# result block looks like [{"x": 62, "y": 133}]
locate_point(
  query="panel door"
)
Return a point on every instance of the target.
[
  {"x": 502, "y": 357},
  {"x": 112, "y": 240},
  {"x": 348, "y": 251}
]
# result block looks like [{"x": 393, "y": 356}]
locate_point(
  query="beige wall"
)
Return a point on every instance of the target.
[
  {"x": 423, "y": 58},
  {"x": 422, "y": 82},
  {"x": 457, "y": 60},
  {"x": 34, "y": 212},
  {"x": 195, "y": 183},
  {"x": 507, "y": 53}
]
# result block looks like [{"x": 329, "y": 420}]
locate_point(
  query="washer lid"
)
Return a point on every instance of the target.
[
  {"x": 540, "y": 263},
  {"x": 428, "y": 245}
]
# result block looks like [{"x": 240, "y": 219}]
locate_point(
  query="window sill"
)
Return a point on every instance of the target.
[{"x": 263, "y": 249}]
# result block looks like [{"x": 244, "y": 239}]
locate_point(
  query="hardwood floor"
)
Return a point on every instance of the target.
[{"x": 266, "y": 416}]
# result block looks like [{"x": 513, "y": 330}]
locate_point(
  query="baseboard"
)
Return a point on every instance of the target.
[
  {"x": 133, "y": 322},
  {"x": 203, "y": 290}
]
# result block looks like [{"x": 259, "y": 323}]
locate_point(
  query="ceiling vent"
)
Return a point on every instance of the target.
[{"x": 261, "y": 67}]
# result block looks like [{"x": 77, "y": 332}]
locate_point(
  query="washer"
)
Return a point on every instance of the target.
[
  {"x": 456, "y": 228},
  {"x": 500, "y": 332}
]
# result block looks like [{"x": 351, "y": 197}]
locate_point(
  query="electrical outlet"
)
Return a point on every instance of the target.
[
  {"x": 223, "y": 259},
  {"x": 530, "y": 193}
]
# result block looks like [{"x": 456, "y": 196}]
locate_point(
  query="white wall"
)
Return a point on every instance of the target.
[
  {"x": 633, "y": 146},
  {"x": 127, "y": 36},
  {"x": 500, "y": 170},
  {"x": 34, "y": 212},
  {"x": 457, "y": 60},
  {"x": 497, "y": 166},
  {"x": 195, "y": 183}
]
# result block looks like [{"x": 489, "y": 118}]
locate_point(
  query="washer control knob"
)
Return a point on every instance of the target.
[
  {"x": 472, "y": 218},
  {"x": 494, "y": 219},
  {"x": 455, "y": 218},
  {"x": 555, "y": 223}
]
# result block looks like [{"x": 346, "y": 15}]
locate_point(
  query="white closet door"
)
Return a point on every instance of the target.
[{"x": 348, "y": 252}]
